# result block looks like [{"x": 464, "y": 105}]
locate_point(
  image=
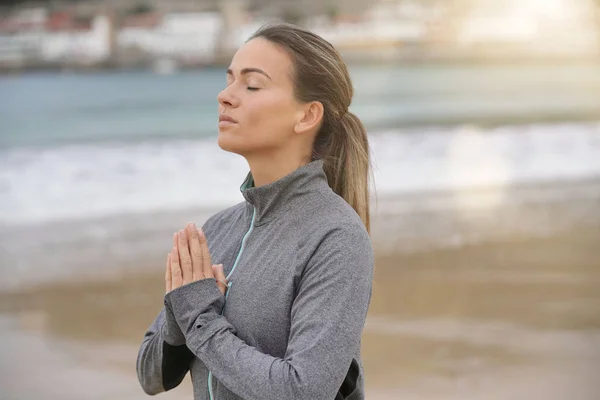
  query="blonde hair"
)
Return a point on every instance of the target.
[{"x": 320, "y": 74}]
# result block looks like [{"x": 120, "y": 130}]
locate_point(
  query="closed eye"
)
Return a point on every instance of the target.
[{"x": 252, "y": 89}]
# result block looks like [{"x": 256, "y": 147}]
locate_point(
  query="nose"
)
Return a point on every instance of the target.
[{"x": 227, "y": 99}]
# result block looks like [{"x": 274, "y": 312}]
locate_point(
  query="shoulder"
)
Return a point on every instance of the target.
[
  {"x": 341, "y": 235},
  {"x": 337, "y": 218}
]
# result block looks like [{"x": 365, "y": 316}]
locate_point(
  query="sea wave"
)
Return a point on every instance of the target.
[{"x": 41, "y": 185}]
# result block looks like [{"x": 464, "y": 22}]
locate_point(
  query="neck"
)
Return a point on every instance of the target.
[{"x": 268, "y": 169}]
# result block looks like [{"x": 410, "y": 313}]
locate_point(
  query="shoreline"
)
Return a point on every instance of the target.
[{"x": 405, "y": 223}]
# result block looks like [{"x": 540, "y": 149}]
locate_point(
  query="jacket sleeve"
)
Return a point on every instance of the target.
[
  {"x": 163, "y": 359},
  {"x": 328, "y": 315}
]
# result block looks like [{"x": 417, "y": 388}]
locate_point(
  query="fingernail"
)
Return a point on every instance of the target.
[{"x": 193, "y": 225}]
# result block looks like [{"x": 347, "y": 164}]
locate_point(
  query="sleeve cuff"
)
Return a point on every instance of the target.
[
  {"x": 196, "y": 303},
  {"x": 170, "y": 330},
  {"x": 205, "y": 330}
]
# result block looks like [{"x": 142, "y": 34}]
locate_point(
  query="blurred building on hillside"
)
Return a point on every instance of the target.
[
  {"x": 130, "y": 33},
  {"x": 37, "y": 36},
  {"x": 189, "y": 38},
  {"x": 21, "y": 37}
]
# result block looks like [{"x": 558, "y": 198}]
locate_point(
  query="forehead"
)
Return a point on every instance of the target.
[{"x": 260, "y": 53}]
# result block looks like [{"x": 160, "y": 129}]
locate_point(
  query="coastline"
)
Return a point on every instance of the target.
[
  {"x": 105, "y": 247},
  {"x": 353, "y": 58}
]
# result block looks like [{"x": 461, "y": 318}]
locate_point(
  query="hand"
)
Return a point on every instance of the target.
[{"x": 189, "y": 261}]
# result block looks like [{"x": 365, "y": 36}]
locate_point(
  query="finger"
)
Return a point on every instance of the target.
[
  {"x": 206, "y": 262},
  {"x": 195, "y": 252},
  {"x": 168, "y": 280},
  {"x": 184, "y": 257},
  {"x": 176, "y": 276},
  {"x": 220, "y": 277}
]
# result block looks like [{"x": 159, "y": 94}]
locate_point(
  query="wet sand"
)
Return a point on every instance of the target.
[
  {"x": 497, "y": 320},
  {"x": 514, "y": 319}
]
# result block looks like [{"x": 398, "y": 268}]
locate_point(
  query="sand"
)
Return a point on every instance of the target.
[{"x": 515, "y": 315}]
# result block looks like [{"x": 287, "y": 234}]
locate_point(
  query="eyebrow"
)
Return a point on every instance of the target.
[{"x": 249, "y": 70}]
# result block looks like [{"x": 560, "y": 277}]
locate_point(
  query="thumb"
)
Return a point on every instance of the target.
[{"x": 220, "y": 277}]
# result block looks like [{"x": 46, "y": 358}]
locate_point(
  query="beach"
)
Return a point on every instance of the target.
[
  {"x": 512, "y": 312},
  {"x": 485, "y": 226}
]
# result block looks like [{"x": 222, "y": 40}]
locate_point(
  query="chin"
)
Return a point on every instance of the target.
[{"x": 231, "y": 143}]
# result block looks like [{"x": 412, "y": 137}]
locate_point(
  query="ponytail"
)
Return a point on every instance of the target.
[
  {"x": 347, "y": 165},
  {"x": 320, "y": 74}
]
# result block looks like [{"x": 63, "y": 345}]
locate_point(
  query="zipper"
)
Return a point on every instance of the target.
[
  {"x": 239, "y": 255},
  {"x": 235, "y": 264}
]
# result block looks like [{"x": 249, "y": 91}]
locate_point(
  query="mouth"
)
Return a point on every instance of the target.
[{"x": 226, "y": 120}]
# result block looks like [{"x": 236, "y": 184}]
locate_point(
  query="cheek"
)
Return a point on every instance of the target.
[{"x": 270, "y": 119}]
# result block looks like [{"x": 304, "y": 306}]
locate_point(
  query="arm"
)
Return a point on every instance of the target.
[
  {"x": 328, "y": 316},
  {"x": 163, "y": 359}
]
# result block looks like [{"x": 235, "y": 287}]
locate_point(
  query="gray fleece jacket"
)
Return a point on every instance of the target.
[{"x": 300, "y": 266}]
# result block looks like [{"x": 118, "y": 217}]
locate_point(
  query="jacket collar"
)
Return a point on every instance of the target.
[{"x": 276, "y": 198}]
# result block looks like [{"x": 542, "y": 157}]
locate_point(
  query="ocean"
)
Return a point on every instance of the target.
[{"x": 103, "y": 157}]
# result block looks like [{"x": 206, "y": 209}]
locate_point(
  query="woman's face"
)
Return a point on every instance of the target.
[{"x": 257, "y": 109}]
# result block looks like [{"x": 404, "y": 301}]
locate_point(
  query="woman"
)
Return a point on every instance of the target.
[{"x": 281, "y": 315}]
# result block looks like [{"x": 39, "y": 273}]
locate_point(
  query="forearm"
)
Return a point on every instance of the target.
[
  {"x": 311, "y": 369},
  {"x": 254, "y": 375},
  {"x": 163, "y": 359}
]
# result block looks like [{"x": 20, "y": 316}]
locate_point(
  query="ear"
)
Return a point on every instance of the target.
[{"x": 310, "y": 117}]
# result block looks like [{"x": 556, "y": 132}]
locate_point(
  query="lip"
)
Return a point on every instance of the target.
[{"x": 226, "y": 119}]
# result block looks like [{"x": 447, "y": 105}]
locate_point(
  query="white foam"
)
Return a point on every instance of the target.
[
  {"x": 466, "y": 157},
  {"x": 41, "y": 185},
  {"x": 90, "y": 181}
]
